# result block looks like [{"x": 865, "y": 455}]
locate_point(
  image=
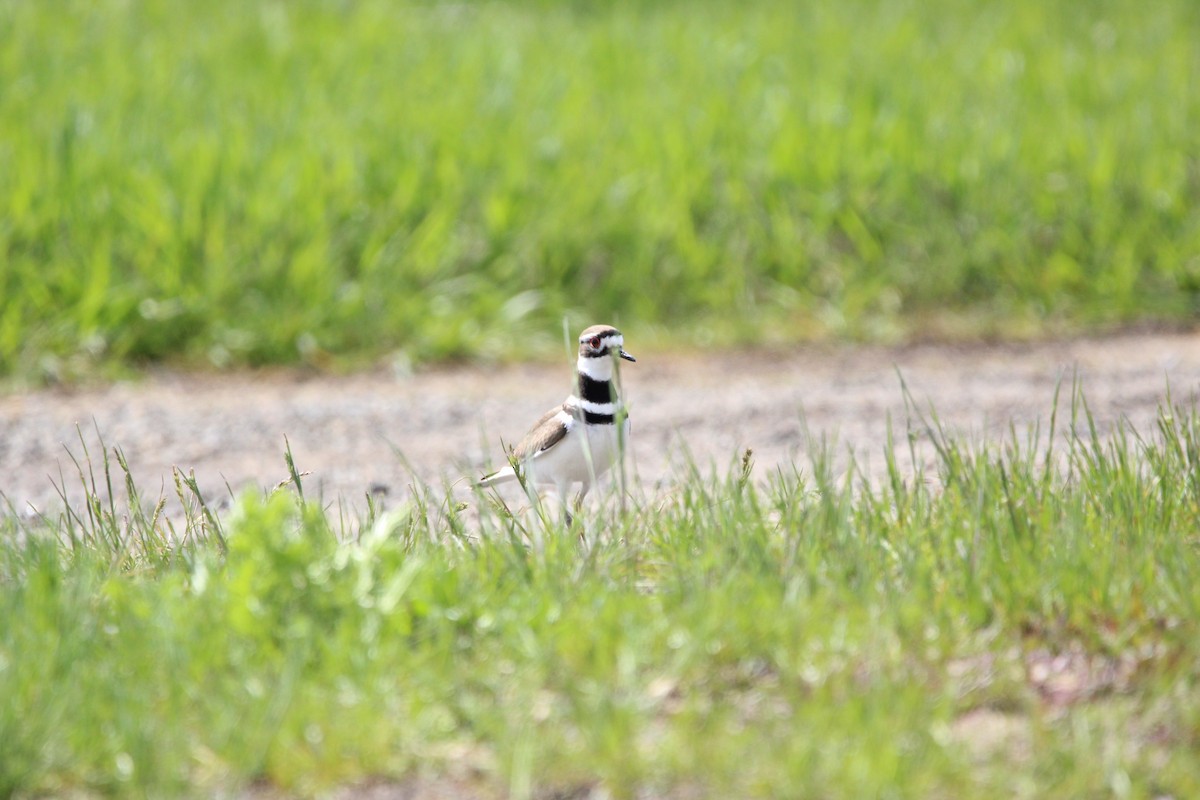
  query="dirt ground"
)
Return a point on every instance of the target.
[
  {"x": 349, "y": 432},
  {"x": 448, "y": 423}
]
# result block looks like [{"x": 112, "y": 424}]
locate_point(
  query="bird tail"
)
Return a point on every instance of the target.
[{"x": 503, "y": 475}]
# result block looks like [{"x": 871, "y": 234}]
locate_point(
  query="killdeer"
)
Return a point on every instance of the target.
[{"x": 579, "y": 440}]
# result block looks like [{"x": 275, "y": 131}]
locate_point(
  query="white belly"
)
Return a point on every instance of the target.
[{"x": 583, "y": 455}]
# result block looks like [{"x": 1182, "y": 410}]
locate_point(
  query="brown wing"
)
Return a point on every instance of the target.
[{"x": 545, "y": 433}]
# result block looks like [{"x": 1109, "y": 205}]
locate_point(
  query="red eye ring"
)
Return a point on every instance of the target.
[{"x": 594, "y": 342}]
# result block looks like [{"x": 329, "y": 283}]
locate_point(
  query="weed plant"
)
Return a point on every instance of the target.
[{"x": 1021, "y": 621}]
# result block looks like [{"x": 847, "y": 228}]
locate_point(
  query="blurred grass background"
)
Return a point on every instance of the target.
[{"x": 237, "y": 183}]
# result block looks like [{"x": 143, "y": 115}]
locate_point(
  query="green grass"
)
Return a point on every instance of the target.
[
  {"x": 244, "y": 183},
  {"x": 810, "y": 636}
]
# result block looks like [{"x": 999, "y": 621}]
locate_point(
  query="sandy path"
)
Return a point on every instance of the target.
[{"x": 448, "y": 422}]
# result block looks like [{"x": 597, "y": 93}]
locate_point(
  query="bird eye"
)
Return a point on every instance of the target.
[{"x": 594, "y": 342}]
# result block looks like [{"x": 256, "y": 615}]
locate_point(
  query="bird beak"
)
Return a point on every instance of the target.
[{"x": 626, "y": 356}]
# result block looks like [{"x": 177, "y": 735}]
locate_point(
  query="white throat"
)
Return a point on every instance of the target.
[{"x": 598, "y": 369}]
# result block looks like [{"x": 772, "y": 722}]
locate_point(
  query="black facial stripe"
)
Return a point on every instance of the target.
[
  {"x": 595, "y": 391},
  {"x": 610, "y": 342},
  {"x": 597, "y": 419}
]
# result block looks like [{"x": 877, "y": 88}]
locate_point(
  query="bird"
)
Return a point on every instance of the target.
[{"x": 577, "y": 441}]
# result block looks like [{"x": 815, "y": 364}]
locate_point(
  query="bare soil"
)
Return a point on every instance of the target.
[{"x": 375, "y": 431}]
